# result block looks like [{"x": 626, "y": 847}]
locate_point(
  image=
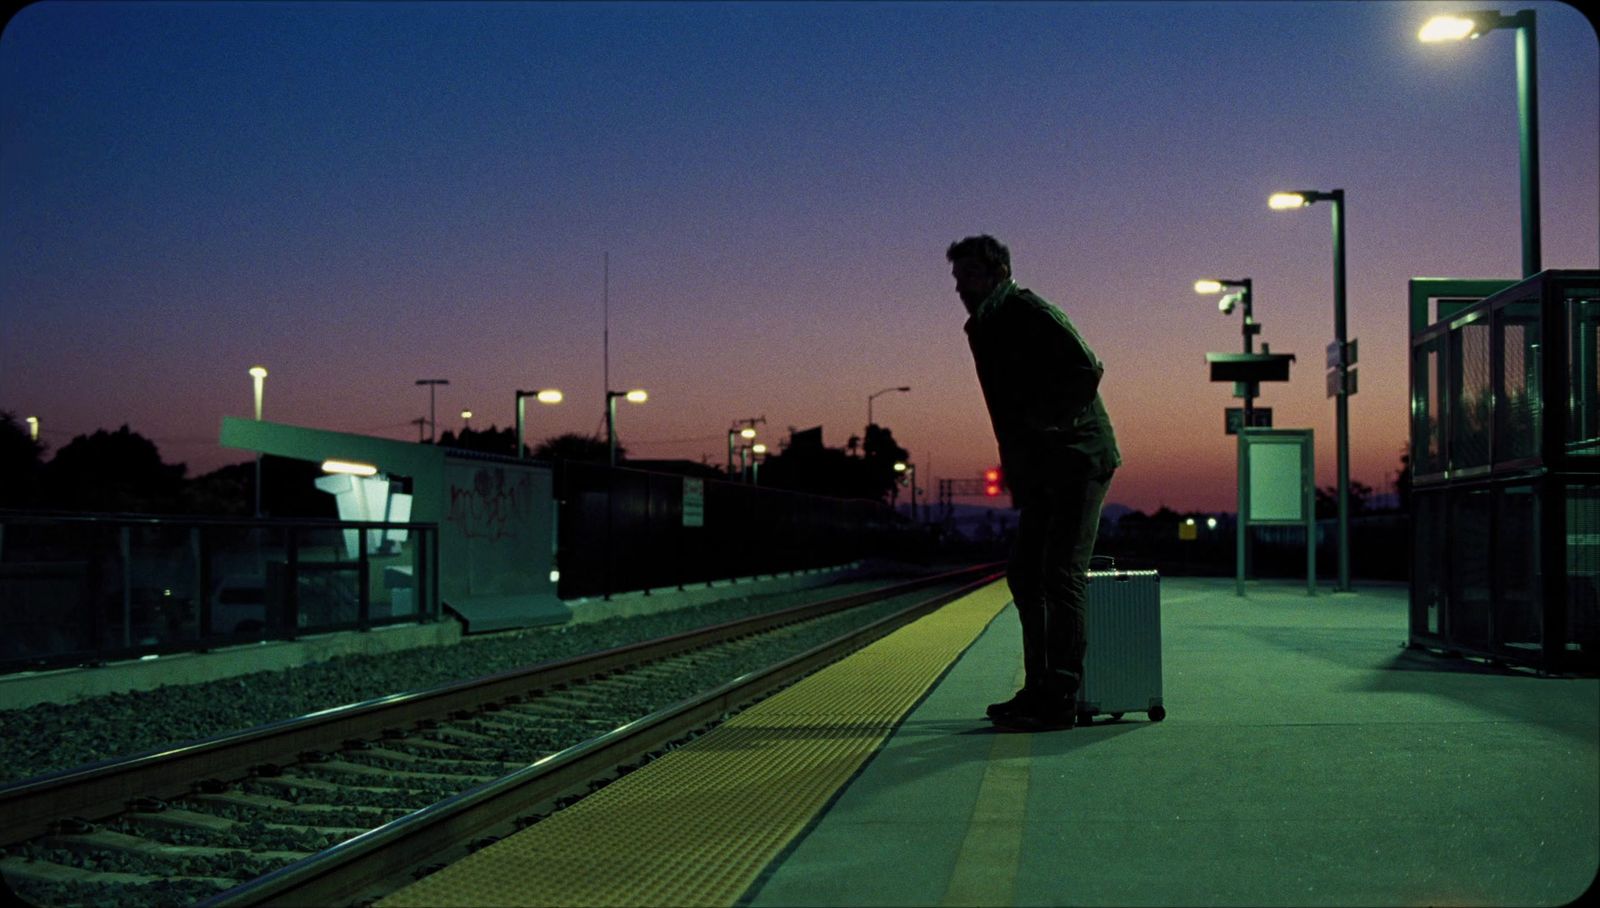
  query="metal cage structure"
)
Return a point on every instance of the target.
[{"x": 1505, "y": 469}]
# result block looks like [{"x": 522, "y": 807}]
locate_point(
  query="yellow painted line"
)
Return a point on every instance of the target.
[
  {"x": 985, "y": 872},
  {"x": 698, "y": 825}
]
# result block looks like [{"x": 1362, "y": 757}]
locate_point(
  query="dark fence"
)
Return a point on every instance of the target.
[
  {"x": 621, "y": 529},
  {"x": 83, "y": 589},
  {"x": 1379, "y": 549}
]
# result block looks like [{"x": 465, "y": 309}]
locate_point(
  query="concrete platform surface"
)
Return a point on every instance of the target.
[{"x": 1306, "y": 759}]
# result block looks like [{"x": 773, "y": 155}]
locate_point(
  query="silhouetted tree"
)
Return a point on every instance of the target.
[
  {"x": 1402, "y": 479},
  {"x": 119, "y": 471},
  {"x": 21, "y": 464},
  {"x": 807, "y": 466},
  {"x": 489, "y": 441},
  {"x": 1328, "y": 499},
  {"x": 574, "y": 446}
]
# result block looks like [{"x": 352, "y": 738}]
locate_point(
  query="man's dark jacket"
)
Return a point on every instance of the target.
[{"x": 1041, "y": 382}]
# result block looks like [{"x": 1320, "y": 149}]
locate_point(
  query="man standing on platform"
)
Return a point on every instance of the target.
[{"x": 1057, "y": 453}]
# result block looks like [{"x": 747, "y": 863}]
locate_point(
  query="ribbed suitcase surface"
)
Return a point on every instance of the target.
[{"x": 1122, "y": 667}]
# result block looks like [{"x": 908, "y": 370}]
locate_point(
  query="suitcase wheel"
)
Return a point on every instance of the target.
[{"x": 1157, "y": 713}]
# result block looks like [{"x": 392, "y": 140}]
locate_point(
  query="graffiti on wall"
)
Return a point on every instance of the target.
[{"x": 492, "y": 505}]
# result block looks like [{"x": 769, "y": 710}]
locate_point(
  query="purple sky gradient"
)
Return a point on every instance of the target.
[{"x": 361, "y": 195}]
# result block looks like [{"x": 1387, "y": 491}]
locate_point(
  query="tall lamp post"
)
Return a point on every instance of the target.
[
  {"x": 543, "y": 396},
  {"x": 910, "y": 469},
  {"x": 432, "y": 383},
  {"x": 758, "y": 453},
  {"x": 747, "y": 433},
  {"x": 635, "y": 396},
  {"x": 1342, "y": 389},
  {"x": 258, "y": 376},
  {"x": 1471, "y": 25},
  {"x": 902, "y": 388}
]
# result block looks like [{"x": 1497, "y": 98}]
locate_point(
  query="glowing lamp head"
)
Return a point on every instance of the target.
[
  {"x": 1211, "y": 523},
  {"x": 466, "y": 414},
  {"x": 258, "y": 371},
  {"x": 1282, "y": 200},
  {"x": 899, "y": 467},
  {"x": 1447, "y": 28},
  {"x": 1207, "y": 286},
  {"x": 550, "y": 396},
  {"x": 636, "y": 396},
  {"x": 759, "y": 448},
  {"x": 747, "y": 432}
]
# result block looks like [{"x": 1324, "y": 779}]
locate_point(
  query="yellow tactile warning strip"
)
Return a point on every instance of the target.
[{"x": 698, "y": 825}]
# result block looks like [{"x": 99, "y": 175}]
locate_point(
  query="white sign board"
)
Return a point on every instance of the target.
[
  {"x": 1275, "y": 471},
  {"x": 694, "y": 502}
]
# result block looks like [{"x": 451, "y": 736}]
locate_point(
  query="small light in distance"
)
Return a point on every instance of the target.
[
  {"x": 1211, "y": 523},
  {"x": 899, "y": 467},
  {"x": 1282, "y": 200},
  {"x": 550, "y": 396},
  {"x": 555, "y": 576},
  {"x": 759, "y": 448},
  {"x": 747, "y": 432},
  {"x": 1206, "y": 286},
  {"x": 1189, "y": 522},
  {"x": 637, "y": 396}
]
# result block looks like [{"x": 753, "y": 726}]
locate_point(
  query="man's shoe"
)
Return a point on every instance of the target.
[
  {"x": 1039, "y": 717},
  {"x": 1019, "y": 703}
]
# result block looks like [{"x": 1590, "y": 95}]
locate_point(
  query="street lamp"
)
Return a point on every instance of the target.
[
  {"x": 544, "y": 396},
  {"x": 1299, "y": 199},
  {"x": 911, "y": 470},
  {"x": 635, "y": 396},
  {"x": 1249, "y": 328},
  {"x": 1471, "y": 25},
  {"x": 746, "y": 433},
  {"x": 258, "y": 377},
  {"x": 466, "y": 417},
  {"x": 33, "y": 428},
  {"x": 902, "y": 388},
  {"x": 433, "y": 427},
  {"x": 758, "y": 452}
]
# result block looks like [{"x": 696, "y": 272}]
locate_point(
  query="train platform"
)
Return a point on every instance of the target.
[{"x": 1307, "y": 758}]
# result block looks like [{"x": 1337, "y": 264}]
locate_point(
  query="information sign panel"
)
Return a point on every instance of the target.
[{"x": 694, "y": 502}]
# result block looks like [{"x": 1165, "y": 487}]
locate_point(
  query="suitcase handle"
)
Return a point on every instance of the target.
[{"x": 1110, "y": 562}]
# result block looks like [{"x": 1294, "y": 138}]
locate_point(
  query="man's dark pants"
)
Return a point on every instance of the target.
[{"x": 1048, "y": 576}]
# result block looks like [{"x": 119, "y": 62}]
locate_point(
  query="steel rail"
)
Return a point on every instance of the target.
[
  {"x": 103, "y": 789},
  {"x": 380, "y": 860}
]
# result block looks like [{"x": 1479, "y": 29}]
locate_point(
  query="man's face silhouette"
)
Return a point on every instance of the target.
[{"x": 975, "y": 280}]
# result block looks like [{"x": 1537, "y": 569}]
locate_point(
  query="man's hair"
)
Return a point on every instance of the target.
[{"x": 984, "y": 247}]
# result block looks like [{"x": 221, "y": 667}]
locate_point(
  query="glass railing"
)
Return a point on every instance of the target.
[{"x": 81, "y": 589}]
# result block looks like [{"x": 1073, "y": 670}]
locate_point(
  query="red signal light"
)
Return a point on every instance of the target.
[{"x": 991, "y": 482}]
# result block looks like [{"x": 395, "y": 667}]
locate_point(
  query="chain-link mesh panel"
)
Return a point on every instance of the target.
[
  {"x": 1427, "y": 416},
  {"x": 1470, "y": 405},
  {"x": 1519, "y": 403},
  {"x": 1583, "y": 566},
  {"x": 1470, "y": 561},
  {"x": 1583, "y": 340},
  {"x": 1518, "y": 608}
]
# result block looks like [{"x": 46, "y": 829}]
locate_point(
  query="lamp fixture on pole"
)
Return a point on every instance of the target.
[
  {"x": 543, "y": 396},
  {"x": 1470, "y": 25},
  {"x": 902, "y": 388},
  {"x": 1298, "y": 199}
]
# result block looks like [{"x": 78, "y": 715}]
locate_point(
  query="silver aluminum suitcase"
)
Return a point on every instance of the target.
[{"x": 1122, "y": 667}]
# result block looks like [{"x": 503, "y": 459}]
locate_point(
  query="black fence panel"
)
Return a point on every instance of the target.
[{"x": 622, "y": 529}]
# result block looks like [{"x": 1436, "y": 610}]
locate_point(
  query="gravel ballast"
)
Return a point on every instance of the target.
[{"x": 51, "y": 737}]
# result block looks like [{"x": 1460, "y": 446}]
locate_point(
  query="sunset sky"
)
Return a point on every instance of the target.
[{"x": 360, "y": 195}]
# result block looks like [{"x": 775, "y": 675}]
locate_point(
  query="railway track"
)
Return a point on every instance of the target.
[{"x": 342, "y": 805}]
